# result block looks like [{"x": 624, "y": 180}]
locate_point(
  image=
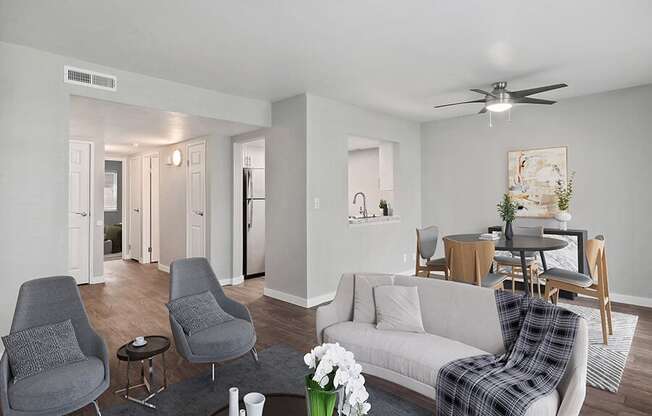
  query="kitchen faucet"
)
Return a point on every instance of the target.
[{"x": 364, "y": 203}]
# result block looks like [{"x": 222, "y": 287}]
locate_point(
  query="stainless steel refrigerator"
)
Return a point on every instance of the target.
[{"x": 254, "y": 222}]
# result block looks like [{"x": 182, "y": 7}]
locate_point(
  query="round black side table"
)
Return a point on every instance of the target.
[{"x": 156, "y": 345}]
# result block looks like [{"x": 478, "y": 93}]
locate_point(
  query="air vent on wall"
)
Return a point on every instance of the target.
[{"x": 88, "y": 78}]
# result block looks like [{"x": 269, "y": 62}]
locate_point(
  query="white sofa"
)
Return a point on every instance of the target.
[{"x": 460, "y": 321}]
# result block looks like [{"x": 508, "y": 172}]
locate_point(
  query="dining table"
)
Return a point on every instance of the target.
[{"x": 521, "y": 244}]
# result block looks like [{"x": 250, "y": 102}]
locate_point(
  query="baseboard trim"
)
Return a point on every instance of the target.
[
  {"x": 285, "y": 297},
  {"x": 164, "y": 268},
  {"x": 631, "y": 300},
  {"x": 232, "y": 281},
  {"x": 318, "y": 300},
  {"x": 96, "y": 279}
]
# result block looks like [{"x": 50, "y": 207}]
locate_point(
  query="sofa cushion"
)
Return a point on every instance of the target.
[
  {"x": 364, "y": 306},
  {"x": 398, "y": 308},
  {"x": 230, "y": 337},
  {"x": 196, "y": 313},
  {"x": 418, "y": 356},
  {"x": 38, "y": 349},
  {"x": 57, "y": 387}
]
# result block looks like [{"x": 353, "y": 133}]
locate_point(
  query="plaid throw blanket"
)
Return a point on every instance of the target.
[{"x": 538, "y": 339}]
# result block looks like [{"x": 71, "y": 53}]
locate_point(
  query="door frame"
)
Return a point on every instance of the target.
[
  {"x": 125, "y": 202},
  {"x": 205, "y": 218},
  {"x": 91, "y": 209}
]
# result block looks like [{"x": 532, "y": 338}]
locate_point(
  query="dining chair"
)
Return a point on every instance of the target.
[
  {"x": 595, "y": 284},
  {"x": 510, "y": 265},
  {"x": 471, "y": 261},
  {"x": 426, "y": 247}
]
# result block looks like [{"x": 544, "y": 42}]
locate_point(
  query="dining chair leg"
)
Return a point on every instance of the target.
[
  {"x": 546, "y": 293},
  {"x": 603, "y": 321},
  {"x": 608, "y": 308}
]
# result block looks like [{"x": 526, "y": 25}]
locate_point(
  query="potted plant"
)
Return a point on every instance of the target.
[
  {"x": 507, "y": 211},
  {"x": 564, "y": 194},
  {"x": 335, "y": 379},
  {"x": 383, "y": 205}
]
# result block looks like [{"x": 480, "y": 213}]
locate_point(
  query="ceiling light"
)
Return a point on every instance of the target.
[
  {"x": 499, "y": 107},
  {"x": 135, "y": 144}
]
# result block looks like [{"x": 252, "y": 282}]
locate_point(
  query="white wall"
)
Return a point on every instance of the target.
[
  {"x": 333, "y": 246},
  {"x": 609, "y": 145},
  {"x": 34, "y": 114},
  {"x": 364, "y": 176},
  {"x": 172, "y": 201},
  {"x": 285, "y": 204}
]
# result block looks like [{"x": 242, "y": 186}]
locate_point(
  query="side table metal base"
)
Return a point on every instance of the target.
[{"x": 147, "y": 383}]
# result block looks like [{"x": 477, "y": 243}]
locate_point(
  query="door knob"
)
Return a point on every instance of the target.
[
  {"x": 83, "y": 214},
  {"x": 200, "y": 213},
  {"x": 136, "y": 210}
]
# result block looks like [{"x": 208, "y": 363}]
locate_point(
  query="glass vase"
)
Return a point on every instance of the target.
[{"x": 321, "y": 402}]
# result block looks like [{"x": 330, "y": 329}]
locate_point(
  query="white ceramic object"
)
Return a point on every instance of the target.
[
  {"x": 254, "y": 402},
  {"x": 234, "y": 408},
  {"x": 139, "y": 342},
  {"x": 563, "y": 217}
]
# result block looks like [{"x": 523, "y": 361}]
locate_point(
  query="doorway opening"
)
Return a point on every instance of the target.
[
  {"x": 249, "y": 207},
  {"x": 115, "y": 178}
]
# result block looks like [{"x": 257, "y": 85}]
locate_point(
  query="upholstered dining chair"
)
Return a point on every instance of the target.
[
  {"x": 595, "y": 284},
  {"x": 64, "y": 389},
  {"x": 512, "y": 263},
  {"x": 471, "y": 261},
  {"x": 426, "y": 247},
  {"x": 223, "y": 342}
]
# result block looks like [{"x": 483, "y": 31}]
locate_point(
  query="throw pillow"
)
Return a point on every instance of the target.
[
  {"x": 197, "y": 312},
  {"x": 398, "y": 308},
  {"x": 364, "y": 307},
  {"x": 34, "y": 350}
]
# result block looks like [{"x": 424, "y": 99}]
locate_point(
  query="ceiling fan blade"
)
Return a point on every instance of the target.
[
  {"x": 484, "y": 110},
  {"x": 523, "y": 93},
  {"x": 483, "y": 92},
  {"x": 528, "y": 100},
  {"x": 463, "y": 102}
]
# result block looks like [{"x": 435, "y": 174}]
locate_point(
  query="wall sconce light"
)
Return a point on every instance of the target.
[{"x": 176, "y": 157}]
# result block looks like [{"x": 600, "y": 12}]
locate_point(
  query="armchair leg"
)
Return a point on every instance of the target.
[
  {"x": 97, "y": 408},
  {"x": 254, "y": 354}
]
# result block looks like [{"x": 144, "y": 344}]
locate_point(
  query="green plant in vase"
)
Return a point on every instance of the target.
[
  {"x": 507, "y": 209},
  {"x": 564, "y": 193},
  {"x": 384, "y": 207}
]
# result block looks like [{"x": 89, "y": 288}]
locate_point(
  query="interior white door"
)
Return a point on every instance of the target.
[
  {"x": 196, "y": 201},
  {"x": 135, "y": 209},
  {"x": 79, "y": 216},
  {"x": 150, "y": 209}
]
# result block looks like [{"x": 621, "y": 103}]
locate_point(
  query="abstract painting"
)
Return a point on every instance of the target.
[{"x": 533, "y": 176}]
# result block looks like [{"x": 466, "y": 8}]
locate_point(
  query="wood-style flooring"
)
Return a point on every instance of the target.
[{"x": 132, "y": 302}]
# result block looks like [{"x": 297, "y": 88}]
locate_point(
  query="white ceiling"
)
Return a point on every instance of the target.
[
  {"x": 121, "y": 126},
  {"x": 399, "y": 57}
]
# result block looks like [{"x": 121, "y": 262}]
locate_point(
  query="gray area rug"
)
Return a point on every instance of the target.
[
  {"x": 281, "y": 371},
  {"x": 606, "y": 363}
]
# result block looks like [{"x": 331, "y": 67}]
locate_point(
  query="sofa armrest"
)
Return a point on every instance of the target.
[
  {"x": 572, "y": 387},
  {"x": 339, "y": 310},
  {"x": 180, "y": 340}
]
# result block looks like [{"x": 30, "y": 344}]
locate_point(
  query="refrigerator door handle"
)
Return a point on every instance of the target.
[{"x": 250, "y": 223}]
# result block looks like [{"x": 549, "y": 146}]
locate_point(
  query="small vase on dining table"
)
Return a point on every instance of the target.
[{"x": 509, "y": 232}]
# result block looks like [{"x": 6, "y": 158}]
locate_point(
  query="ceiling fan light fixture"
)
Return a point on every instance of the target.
[{"x": 499, "y": 107}]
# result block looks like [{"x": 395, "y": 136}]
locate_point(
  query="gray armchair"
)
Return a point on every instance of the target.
[
  {"x": 223, "y": 342},
  {"x": 65, "y": 389}
]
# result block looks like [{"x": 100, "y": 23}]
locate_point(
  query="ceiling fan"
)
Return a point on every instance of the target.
[{"x": 501, "y": 99}]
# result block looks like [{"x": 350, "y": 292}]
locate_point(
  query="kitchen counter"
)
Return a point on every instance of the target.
[{"x": 356, "y": 222}]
